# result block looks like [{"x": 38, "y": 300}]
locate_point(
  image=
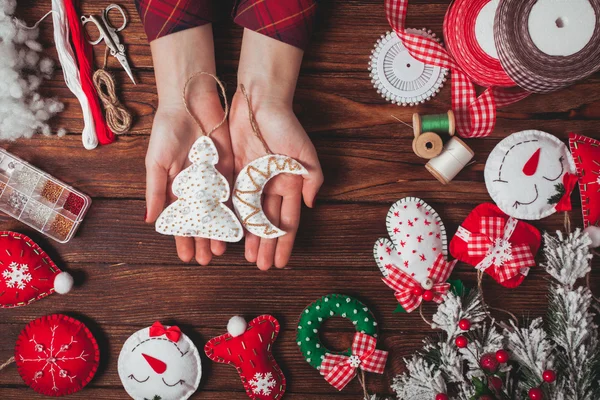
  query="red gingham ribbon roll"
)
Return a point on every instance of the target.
[
  {"x": 461, "y": 42},
  {"x": 475, "y": 116}
]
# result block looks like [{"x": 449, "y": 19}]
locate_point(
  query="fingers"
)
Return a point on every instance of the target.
[
  {"x": 311, "y": 185},
  {"x": 217, "y": 247},
  {"x": 203, "y": 251},
  {"x": 266, "y": 250},
  {"x": 185, "y": 248},
  {"x": 252, "y": 245},
  {"x": 289, "y": 221},
  {"x": 156, "y": 191}
]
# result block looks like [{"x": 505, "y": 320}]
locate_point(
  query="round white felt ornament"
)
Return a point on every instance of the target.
[
  {"x": 530, "y": 175},
  {"x": 159, "y": 363}
]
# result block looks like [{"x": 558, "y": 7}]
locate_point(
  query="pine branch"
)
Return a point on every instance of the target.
[
  {"x": 567, "y": 257},
  {"x": 421, "y": 381},
  {"x": 451, "y": 311}
]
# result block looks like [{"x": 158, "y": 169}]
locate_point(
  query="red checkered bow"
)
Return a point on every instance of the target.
[
  {"x": 409, "y": 292},
  {"x": 493, "y": 244},
  {"x": 475, "y": 116},
  {"x": 339, "y": 370}
]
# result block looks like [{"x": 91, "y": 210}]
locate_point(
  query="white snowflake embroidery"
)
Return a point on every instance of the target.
[
  {"x": 50, "y": 359},
  {"x": 262, "y": 383},
  {"x": 17, "y": 275},
  {"x": 501, "y": 252}
]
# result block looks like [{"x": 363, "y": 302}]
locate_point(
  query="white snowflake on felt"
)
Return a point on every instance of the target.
[
  {"x": 17, "y": 275},
  {"x": 262, "y": 383},
  {"x": 501, "y": 251},
  {"x": 53, "y": 359}
]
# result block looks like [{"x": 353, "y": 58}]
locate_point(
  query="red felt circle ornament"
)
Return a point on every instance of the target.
[
  {"x": 56, "y": 355},
  {"x": 459, "y": 35}
]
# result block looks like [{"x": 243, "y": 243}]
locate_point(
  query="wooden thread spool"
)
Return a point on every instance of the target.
[
  {"x": 455, "y": 156},
  {"x": 428, "y": 145},
  {"x": 438, "y": 123}
]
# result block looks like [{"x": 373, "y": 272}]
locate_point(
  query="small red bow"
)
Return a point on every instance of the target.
[
  {"x": 172, "y": 333},
  {"x": 569, "y": 182},
  {"x": 339, "y": 370},
  {"x": 410, "y": 293},
  {"x": 493, "y": 244}
]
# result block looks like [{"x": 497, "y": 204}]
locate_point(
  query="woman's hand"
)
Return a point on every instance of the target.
[
  {"x": 268, "y": 70},
  {"x": 174, "y": 131}
]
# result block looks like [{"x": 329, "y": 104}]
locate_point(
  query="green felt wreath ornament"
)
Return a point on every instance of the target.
[{"x": 332, "y": 305}]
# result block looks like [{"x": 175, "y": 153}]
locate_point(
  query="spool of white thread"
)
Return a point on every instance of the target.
[{"x": 454, "y": 157}]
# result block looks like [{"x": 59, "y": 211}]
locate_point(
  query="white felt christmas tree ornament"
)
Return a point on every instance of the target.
[
  {"x": 251, "y": 181},
  {"x": 201, "y": 191}
]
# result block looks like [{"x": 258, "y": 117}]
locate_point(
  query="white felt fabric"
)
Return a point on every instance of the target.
[
  {"x": 201, "y": 191},
  {"x": 521, "y": 195},
  {"x": 183, "y": 367},
  {"x": 417, "y": 236},
  {"x": 249, "y": 186}
]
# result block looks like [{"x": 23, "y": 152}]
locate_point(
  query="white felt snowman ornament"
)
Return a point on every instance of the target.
[
  {"x": 159, "y": 363},
  {"x": 530, "y": 175}
]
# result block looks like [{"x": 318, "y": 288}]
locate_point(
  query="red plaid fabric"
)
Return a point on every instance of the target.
[
  {"x": 493, "y": 244},
  {"x": 339, "y": 370},
  {"x": 291, "y": 22},
  {"x": 475, "y": 116},
  {"x": 404, "y": 285}
]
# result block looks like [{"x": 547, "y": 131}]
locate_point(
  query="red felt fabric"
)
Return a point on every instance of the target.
[
  {"x": 56, "y": 355},
  {"x": 251, "y": 354},
  {"x": 34, "y": 276},
  {"x": 586, "y": 153},
  {"x": 524, "y": 233}
]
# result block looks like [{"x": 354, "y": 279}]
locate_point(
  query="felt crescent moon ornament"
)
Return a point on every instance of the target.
[
  {"x": 586, "y": 153},
  {"x": 249, "y": 186},
  {"x": 56, "y": 355},
  {"x": 248, "y": 347},
  {"x": 502, "y": 246},
  {"x": 201, "y": 191},
  {"x": 530, "y": 175},
  {"x": 27, "y": 273},
  {"x": 159, "y": 362},
  {"x": 413, "y": 261}
]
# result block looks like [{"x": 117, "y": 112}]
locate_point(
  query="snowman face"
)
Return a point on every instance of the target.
[
  {"x": 157, "y": 368},
  {"x": 524, "y": 174}
]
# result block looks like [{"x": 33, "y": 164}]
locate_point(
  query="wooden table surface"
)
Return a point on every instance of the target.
[{"x": 129, "y": 276}]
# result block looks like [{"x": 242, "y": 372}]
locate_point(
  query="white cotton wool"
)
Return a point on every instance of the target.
[{"x": 23, "y": 111}]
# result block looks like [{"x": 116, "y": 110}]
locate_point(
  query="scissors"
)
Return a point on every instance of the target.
[{"x": 108, "y": 33}]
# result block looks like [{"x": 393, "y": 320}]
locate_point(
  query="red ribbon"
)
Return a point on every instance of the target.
[
  {"x": 569, "y": 182},
  {"x": 172, "y": 333},
  {"x": 409, "y": 292},
  {"x": 338, "y": 370}
]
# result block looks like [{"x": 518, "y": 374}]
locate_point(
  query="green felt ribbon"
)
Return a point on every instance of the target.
[{"x": 333, "y": 305}]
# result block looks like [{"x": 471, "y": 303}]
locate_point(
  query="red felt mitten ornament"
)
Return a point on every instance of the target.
[
  {"x": 502, "y": 246},
  {"x": 248, "y": 347},
  {"x": 27, "y": 273},
  {"x": 586, "y": 153},
  {"x": 413, "y": 261},
  {"x": 56, "y": 355}
]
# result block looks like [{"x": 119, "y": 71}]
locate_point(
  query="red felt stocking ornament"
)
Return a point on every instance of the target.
[
  {"x": 248, "y": 348},
  {"x": 586, "y": 153}
]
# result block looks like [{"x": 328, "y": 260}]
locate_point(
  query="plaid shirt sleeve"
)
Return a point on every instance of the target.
[
  {"x": 290, "y": 21},
  {"x": 163, "y": 17}
]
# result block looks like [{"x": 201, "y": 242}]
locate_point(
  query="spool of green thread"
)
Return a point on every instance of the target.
[{"x": 438, "y": 123}]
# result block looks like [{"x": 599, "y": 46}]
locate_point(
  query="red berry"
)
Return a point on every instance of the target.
[
  {"x": 428, "y": 295},
  {"x": 464, "y": 324},
  {"x": 417, "y": 291},
  {"x": 502, "y": 356},
  {"x": 549, "y": 376},
  {"x": 488, "y": 362},
  {"x": 495, "y": 382},
  {"x": 461, "y": 342},
  {"x": 536, "y": 394},
  {"x": 441, "y": 396}
]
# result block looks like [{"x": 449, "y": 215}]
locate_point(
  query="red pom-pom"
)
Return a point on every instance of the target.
[
  {"x": 488, "y": 362},
  {"x": 464, "y": 324},
  {"x": 502, "y": 356},
  {"x": 495, "y": 382},
  {"x": 549, "y": 376},
  {"x": 461, "y": 342},
  {"x": 536, "y": 394},
  {"x": 56, "y": 355},
  {"x": 417, "y": 291},
  {"x": 428, "y": 295},
  {"x": 441, "y": 396}
]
